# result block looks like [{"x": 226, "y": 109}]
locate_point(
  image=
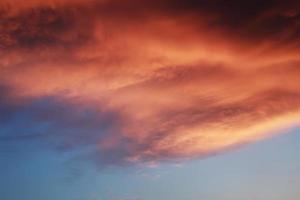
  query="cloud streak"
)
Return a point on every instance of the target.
[{"x": 140, "y": 81}]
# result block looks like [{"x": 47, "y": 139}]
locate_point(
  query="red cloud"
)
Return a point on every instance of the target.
[{"x": 185, "y": 79}]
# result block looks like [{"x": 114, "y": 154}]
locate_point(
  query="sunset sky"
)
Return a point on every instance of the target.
[{"x": 149, "y": 100}]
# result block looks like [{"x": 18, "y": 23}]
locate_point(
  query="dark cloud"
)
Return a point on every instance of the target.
[
  {"x": 258, "y": 20},
  {"x": 246, "y": 19},
  {"x": 45, "y": 27},
  {"x": 72, "y": 24}
]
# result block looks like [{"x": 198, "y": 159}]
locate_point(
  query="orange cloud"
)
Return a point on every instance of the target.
[{"x": 185, "y": 79}]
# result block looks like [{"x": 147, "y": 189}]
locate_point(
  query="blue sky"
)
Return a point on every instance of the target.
[{"x": 266, "y": 170}]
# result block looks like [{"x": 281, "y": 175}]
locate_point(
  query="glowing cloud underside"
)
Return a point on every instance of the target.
[{"x": 149, "y": 80}]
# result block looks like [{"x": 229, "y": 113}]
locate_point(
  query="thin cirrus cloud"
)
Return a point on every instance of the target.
[{"x": 144, "y": 81}]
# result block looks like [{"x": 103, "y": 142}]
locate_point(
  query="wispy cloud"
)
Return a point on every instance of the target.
[{"x": 145, "y": 81}]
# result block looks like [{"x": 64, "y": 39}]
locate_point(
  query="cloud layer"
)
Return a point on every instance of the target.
[{"x": 143, "y": 81}]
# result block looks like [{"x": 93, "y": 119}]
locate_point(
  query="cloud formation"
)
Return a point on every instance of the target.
[{"x": 143, "y": 81}]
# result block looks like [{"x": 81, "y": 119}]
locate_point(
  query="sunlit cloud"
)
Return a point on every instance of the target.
[{"x": 147, "y": 81}]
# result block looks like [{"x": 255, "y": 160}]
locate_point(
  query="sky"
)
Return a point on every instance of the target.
[{"x": 143, "y": 100}]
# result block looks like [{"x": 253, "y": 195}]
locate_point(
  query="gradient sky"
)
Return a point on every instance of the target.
[
  {"x": 142, "y": 100},
  {"x": 265, "y": 170}
]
